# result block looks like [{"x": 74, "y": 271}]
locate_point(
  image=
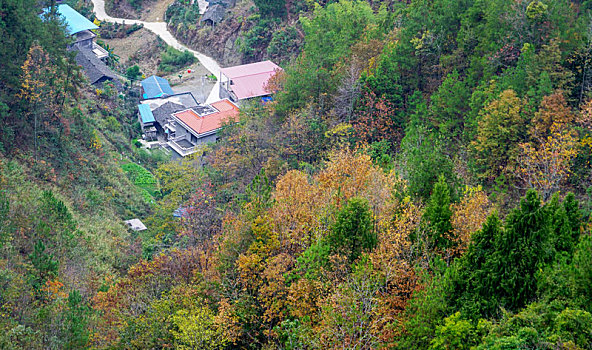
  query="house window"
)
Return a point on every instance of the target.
[{"x": 193, "y": 138}]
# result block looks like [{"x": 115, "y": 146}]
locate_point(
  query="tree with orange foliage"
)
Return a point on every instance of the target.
[
  {"x": 348, "y": 174},
  {"x": 295, "y": 212},
  {"x": 376, "y": 120},
  {"x": 553, "y": 110}
]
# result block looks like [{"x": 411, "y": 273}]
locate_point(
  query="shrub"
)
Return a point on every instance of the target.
[{"x": 173, "y": 59}]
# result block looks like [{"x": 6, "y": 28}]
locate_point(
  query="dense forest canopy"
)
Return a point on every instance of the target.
[{"x": 421, "y": 180}]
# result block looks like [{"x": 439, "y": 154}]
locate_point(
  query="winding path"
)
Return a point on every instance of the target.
[{"x": 160, "y": 29}]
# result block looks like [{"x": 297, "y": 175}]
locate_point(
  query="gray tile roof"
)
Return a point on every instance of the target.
[
  {"x": 214, "y": 13},
  {"x": 84, "y": 35},
  {"x": 162, "y": 113},
  {"x": 94, "y": 68}
]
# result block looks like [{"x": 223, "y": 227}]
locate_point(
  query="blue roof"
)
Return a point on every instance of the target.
[
  {"x": 146, "y": 114},
  {"x": 180, "y": 212},
  {"x": 75, "y": 22},
  {"x": 156, "y": 87}
]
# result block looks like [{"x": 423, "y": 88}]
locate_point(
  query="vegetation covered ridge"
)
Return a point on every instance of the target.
[{"x": 420, "y": 180}]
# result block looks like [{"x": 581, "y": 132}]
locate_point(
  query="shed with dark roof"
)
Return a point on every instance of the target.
[
  {"x": 96, "y": 71},
  {"x": 214, "y": 14}
]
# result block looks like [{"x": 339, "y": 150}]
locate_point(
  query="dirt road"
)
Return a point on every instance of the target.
[{"x": 160, "y": 29}]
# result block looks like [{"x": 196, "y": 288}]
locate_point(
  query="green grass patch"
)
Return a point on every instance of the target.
[{"x": 141, "y": 178}]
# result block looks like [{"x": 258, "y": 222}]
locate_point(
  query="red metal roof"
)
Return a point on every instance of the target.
[
  {"x": 226, "y": 111},
  {"x": 250, "y": 80}
]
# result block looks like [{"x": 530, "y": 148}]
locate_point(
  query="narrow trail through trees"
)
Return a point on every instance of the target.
[{"x": 160, "y": 29}]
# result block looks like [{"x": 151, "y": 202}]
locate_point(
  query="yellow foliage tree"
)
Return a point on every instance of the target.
[
  {"x": 296, "y": 211},
  {"x": 546, "y": 165},
  {"x": 468, "y": 216},
  {"x": 42, "y": 88},
  {"x": 501, "y": 128},
  {"x": 197, "y": 330}
]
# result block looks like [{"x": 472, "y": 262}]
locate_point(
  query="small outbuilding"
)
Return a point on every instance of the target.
[
  {"x": 213, "y": 15},
  {"x": 155, "y": 87},
  {"x": 136, "y": 225},
  {"x": 147, "y": 121}
]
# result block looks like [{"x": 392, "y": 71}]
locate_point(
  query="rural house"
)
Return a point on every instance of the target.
[
  {"x": 96, "y": 71},
  {"x": 80, "y": 29},
  {"x": 181, "y": 123},
  {"x": 89, "y": 55},
  {"x": 247, "y": 81},
  {"x": 195, "y": 126},
  {"x": 161, "y": 108}
]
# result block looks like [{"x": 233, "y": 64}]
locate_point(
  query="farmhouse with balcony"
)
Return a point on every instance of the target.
[
  {"x": 183, "y": 124},
  {"x": 199, "y": 125}
]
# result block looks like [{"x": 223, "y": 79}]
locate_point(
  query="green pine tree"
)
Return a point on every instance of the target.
[
  {"x": 438, "y": 213},
  {"x": 353, "y": 232}
]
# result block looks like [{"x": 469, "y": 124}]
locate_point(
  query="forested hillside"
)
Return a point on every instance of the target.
[
  {"x": 63, "y": 190},
  {"x": 421, "y": 180}
]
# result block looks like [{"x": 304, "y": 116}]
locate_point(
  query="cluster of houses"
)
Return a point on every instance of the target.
[
  {"x": 182, "y": 123},
  {"x": 174, "y": 120},
  {"x": 178, "y": 120}
]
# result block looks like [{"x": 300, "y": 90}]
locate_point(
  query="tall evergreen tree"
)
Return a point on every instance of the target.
[
  {"x": 521, "y": 251},
  {"x": 353, "y": 232},
  {"x": 473, "y": 286},
  {"x": 438, "y": 214},
  {"x": 500, "y": 267}
]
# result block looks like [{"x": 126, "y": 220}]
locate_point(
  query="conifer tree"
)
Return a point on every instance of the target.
[
  {"x": 521, "y": 251},
  {"x": 44, "y": 264},
  {"x": 500, "y": 267},
  {"x": 353, "y": 232},
  {"x": 439, "y": 213},
  {"x": 473, "y": 288},
  {"x": 76, "y": 320}
]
